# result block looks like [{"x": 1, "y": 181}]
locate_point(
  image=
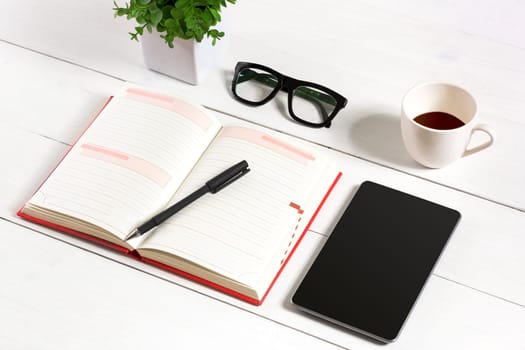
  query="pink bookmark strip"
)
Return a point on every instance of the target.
[
  {"x": 288, "y": 147},
  {"x": 269, "y": 142},
  {"x": 184, "y": 109},
  {"x": 105, "y": 151},
  {"x": 135, "y": 164}
]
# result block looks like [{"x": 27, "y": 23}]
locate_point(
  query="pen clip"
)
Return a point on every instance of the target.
[
  {"x": 227, "y": 177},
  {"x": 230, "y": 180}
]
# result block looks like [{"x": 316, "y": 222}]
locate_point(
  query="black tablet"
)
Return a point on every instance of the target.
[{"x": 375, "y": 263}]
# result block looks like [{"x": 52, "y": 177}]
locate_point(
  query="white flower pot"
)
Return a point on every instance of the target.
[{"x": 188, "y": 60}]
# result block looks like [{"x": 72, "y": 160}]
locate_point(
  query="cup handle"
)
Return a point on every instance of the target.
[{"x": 487, "y": 130}]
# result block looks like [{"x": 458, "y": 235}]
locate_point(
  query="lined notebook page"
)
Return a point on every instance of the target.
[
  {"x": 129, "y": 162},
  {"x": 245, "y": 227}
]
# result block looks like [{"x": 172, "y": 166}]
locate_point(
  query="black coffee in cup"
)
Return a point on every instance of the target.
[{"x": 439, "y": 120}]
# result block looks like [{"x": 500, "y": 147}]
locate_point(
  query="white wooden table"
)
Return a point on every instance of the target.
[{"x": 59, "y": 60}]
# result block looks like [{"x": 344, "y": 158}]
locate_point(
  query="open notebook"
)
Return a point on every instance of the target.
[{"x": 146, "y": 150}]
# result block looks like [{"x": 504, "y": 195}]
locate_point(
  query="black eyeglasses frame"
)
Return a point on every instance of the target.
[{"x": 288, "y": 84}]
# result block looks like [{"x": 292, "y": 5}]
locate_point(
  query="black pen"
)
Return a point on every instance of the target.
[{"x": 214, "y": 185}]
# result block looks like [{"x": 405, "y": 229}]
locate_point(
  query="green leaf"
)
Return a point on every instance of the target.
[
  {"x": 134, "y": 36},
  {"x": 181, "y": 3},
  {"x": 176, "y": 14},
  {"x": 207, "y": 18},
  {"x": 215, "y": 14},
  {"x": 155, "y": 16},
  {"x": 170, "y": 23}
]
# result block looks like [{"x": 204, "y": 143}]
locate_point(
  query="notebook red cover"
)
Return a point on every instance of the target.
[
  {"x": 73, "y": 232},
  {"x": 135, "y": 255}
]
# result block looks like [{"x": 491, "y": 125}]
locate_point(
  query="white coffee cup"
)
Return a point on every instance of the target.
[{"x": 435, "y": 148}]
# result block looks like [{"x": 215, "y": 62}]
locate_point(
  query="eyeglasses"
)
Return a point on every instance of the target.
[{"x": 308, "y": 103}]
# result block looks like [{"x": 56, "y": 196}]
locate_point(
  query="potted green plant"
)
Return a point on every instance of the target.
[{"x": 180, "y": 38}]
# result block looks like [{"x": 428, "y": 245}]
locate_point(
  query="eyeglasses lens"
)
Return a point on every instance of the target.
[
  {"x": 255, "y": 85},
  {"x": 312, "y": 105}
]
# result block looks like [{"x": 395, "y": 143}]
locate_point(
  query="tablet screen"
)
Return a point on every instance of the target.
[{"x": 373, "y": 266}]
